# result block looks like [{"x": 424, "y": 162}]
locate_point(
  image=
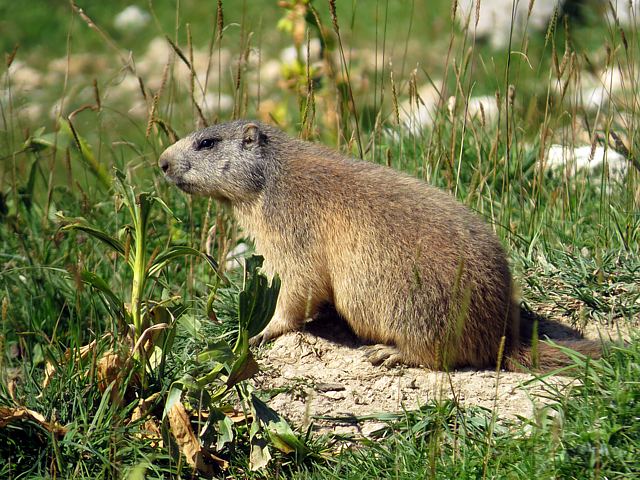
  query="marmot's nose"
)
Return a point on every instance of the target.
[{"x": 163, "y": 162}]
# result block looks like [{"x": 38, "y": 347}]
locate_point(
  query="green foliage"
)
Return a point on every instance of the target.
[{"x": 133, "y": 250}]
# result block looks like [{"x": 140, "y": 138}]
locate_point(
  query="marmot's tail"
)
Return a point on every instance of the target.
[{"x": 547, "y": 358}]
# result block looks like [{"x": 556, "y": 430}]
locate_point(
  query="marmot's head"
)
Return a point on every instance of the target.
[{"x": 226, "y": 161}]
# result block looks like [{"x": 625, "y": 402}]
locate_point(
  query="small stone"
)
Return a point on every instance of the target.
[
  {"x": 369, "y": 429},
  {"x": 131, "y": 18},
  {"x": 334, "y": 395},
  {"x": 329, "y": 387}
]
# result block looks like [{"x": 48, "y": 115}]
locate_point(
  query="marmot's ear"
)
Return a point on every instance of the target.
[{"x": 251, "y": 135}]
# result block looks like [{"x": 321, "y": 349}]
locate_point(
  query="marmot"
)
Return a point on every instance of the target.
[{"x": 406, "y": 265}]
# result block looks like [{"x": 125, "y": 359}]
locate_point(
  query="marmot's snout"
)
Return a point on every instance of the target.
[
  {"x": 175, "y": 166},
  {"x": 167, "y": 160},
  {"x": 163, "y": 163}
]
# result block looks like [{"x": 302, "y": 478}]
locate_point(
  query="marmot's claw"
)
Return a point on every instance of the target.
[
  {"x": 385, "y": 355},
  {"x": 262, "y": 338},
  {"x": 258, "y": 340}
]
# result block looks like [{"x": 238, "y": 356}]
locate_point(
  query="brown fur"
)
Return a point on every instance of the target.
[{"x": 404, "y": 263}]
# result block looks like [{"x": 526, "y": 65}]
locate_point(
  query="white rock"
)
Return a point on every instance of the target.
[
  {"x": 23, "y": 78},
  {"x": 159, "y": 52},
  {"x": 414, "y": 117},
  {"x": 131, "y": 18},
  {"x": 235, "y": 258},
  {"x": 370, "y": 428},
  {"x": 31, "y": 112},
  {"x": 270, "y": 71},
  {"x": 579, "y": 158},
  {"x": 289, "y": 54},
  {"x": 212, "y": 103},
  {"x": 483, "y": 107},
  {"x": 154, "y": 59},
  {"x": 597, "y": 93},
  {"x": 494, "y": 22},
  {"x": 627, "y": 11},
  {"x": 139, "y": 109},
  {"x": 125, "y": 87},
  {"x": 592, "y": 91}
]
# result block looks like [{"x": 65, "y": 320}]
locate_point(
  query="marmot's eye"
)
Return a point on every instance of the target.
[{"x": 206, "y": 143}]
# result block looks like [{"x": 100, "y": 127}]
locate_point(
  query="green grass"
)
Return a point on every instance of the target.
[{"x": 574, "y": 241}]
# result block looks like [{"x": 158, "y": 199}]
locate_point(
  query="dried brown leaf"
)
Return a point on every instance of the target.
[
  {"x": 150, "y": 429},
  {"x": 111, "y": 368},
  {"x": 198, "y": 457},
  {"x": 49, "y": 371},
  {"x": 9, "y": 415},
  {"x": 80, "y": 354},
  {"x": 239, "y": 417}
]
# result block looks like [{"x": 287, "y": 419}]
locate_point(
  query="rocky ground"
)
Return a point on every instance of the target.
[{"x": 324, "y": 378}]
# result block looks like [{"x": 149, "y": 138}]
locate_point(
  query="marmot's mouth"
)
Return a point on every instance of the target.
[{"x": 185, "y": 186}]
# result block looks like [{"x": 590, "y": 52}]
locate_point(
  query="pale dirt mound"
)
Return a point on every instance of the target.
[{"x": 323, "y": 372}]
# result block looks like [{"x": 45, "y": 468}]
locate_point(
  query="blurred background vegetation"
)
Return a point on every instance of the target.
[{"x": 535, "y": 128}]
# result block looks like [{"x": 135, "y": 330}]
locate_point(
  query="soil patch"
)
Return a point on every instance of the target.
[{"x": 324, "y": 379}]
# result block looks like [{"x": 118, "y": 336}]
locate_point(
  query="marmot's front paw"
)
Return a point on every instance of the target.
[
  {"x": 257, "y": 340},
  {"x": 265, "y": 336}
]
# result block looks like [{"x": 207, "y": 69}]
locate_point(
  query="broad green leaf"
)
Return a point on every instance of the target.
[
  {"x": 173, "y": 397},
  {"x": 99, "y": 284},
  {"x": 225, "y": 429},
  {"x": 144, "y": 202},
  {"x": 218, "y": 394},
  {"x": 164, "y": 258},
  {"x": 166, "y": 208},
  {"x": 280, "y": 433},
  {"x": 156, "y": 358},
  {"x": 128, "y": 195},
  {"x": 191, "y": 325},
  {"x": 217, "y": 351},
  {"x": 82, "y": 225},
  {"x": 41, "y": 141},
  {"x": 259, "y": 455},
  {"x": 212, "y": 375},
  {"x": 139, "y": 472},
  {"x": 257, "y": 302},
  {"x": 243, "y": 368}
]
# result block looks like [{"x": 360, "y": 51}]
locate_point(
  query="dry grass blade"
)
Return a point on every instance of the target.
[
  {"x": 10, "y": 57},
  {"x": 180, "y": 53}
]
